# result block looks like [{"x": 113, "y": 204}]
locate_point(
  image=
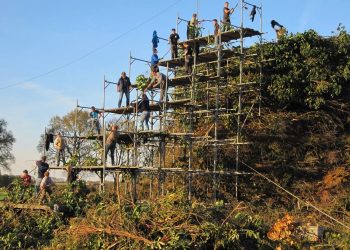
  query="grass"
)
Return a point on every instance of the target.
[{"x": 3, "y": 195}]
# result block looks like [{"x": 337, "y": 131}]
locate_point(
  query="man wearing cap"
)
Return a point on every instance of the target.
[
  {"x": 60, "y": 145},
  {"x": 111, "y": 142},
  {"x": 42, "y": 168},
  {"x": 123, "y": 87}
]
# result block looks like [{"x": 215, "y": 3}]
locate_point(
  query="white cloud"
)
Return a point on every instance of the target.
[{"x": 55, "y": 96}]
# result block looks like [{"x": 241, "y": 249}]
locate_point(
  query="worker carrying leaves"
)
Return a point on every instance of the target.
[
  {"x": 155, "y": 80},
  {"x": 280, "y": 29},
  {"x": 60, "y": 146},
  {"x": 226, "y": 21}
]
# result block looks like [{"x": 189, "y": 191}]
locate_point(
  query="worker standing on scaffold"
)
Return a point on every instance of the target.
[
  {"x": 60, "y": 146},
  {"x": 144, "y": 109},
  {"x": 111, "y": 143},
  {"x": 193, "y": 29},
  {"x": 123, "y": 87},
  {"x": 94, "y": 119},
  {"x": 216, "y": 31},
  {"x": 188, "y": 58},
  {"x": 173, "y": 39},
  {"x": 226, "y": 22}
]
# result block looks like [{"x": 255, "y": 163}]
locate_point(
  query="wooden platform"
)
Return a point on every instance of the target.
[
  {"x": 225, "y": 37},
  {"x": 206, "y": 57},
  {"x": 135, "y": 169},
  {"x": 26, "y": 206},
  {"x": 153, "y": 107}
]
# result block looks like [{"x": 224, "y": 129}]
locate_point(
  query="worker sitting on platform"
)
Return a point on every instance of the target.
[
  {"x": 111, "y": 142},
  {"x": 60, "y": 146},
  {"x": 154, "y": 58},
  {"x": 226, "y": 22},
  {"x": 216, "y": 31},
  {"x": 46, "y": 187},
  {"x": 173, "y": 39},
  {"x": 42, "y": 168},
  {"x": 280, "y": 29},
  {"x": 144, "y": 109},
  {"x": 193, "y": 28},
  {"x": 188, "y": 58},
  {"x": 157, "y": 79},
  {"x": 123, "y": 87},
  {"x": 94, "y": 119}
]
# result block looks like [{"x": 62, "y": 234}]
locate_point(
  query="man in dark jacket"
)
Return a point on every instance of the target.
[
  {"x": 144, "y": 109},
  {"x": 42, "y": 168},
  {"x": 173, "y": 39},
  {"x": 123, "y": 87},
  {"x": 111, "y": 143}
]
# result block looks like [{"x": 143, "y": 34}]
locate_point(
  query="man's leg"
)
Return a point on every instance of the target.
[
  {"x": 172, "y": 52},
  {"x": 121, "y": 93},
  {"x": 175, "y": 50},
  {"x": 112, "y": 149},
  {"x": 57, "y": 158},
  {"x": 63, "y": 157},
  {"x": 147, "y": 116},
  {"x": 106, "y": 152},
  {"x": 37, "y": 186},
  {"x": 127, "y": 94},
  {"x": 142, "y": 119}
]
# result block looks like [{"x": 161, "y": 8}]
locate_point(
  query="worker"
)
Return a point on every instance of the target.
[
  {"x": 111, "y": 142},
  {"x": 144, "y": 109},
  {"x": 173, "y": 39},
  {"x": 155, "y": 80},
  {"x": 216, "y": 31},
  {"x": 26, "y": 183},
  {"x": 188, "y": 58},
  {"x": 72, "y": 174},
  {"x": 227, "y": 19},
  {"x": 60, "y": 145},
  {"x": 123, "y": 87},
  {"x": 280, "y": 29},
  {"x": 155, "y": 40},
  {"x": 42, "y": 168},
  {"x": 154, "y": 58},
  {"x": 46, "y": 187},
  {"x": 192, "y": 29},
  {"x": 94, "y": 119}
]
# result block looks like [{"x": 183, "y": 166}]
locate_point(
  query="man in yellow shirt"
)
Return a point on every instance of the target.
[{"x": 60, "y": 146}]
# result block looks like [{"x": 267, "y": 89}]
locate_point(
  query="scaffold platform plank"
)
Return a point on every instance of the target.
[
  {"x": 153, "y": 107},
  {"x": 26, "y": 206},
  {"x": 205, "y": 57},
  {"x": 225, "y": 37},
  {"x": 156, "y": 170}
]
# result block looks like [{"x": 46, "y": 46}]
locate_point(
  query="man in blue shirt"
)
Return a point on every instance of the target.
[
  {"x": 94, "y": 119},
  {"x": 154, "y": 58}
]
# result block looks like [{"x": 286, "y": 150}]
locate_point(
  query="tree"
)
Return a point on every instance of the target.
[
  {"x": 6, "y": 143},
  {"x": 80, "y": 148}
]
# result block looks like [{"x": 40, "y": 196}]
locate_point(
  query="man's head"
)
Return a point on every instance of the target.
[
  {"x": 144, "y": 96},
  {"x": 25, "y": 172},
  {"x": 194, "y": 15},
  {"x": 155, "y": 68},
  {"x": 47, "y": 173},
  {"x": 226, "y": 4},
  {"x": 59, "y": 134},
  {"x": 123, "y": 74},
  {"x": 114, "y": 127},
  {"x": 155, "y": 51},
  {"x": 93, "y": 108},
  {"x": 43, "y": 158},
  {"x": 173, "y": 31},
  {"x": 215, "y": 21}
]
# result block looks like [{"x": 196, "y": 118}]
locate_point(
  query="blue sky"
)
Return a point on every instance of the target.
[{"x": 93, "y": 39}]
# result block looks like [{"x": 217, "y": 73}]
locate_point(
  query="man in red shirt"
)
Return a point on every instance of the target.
[{"x": 26, "y": 182}]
